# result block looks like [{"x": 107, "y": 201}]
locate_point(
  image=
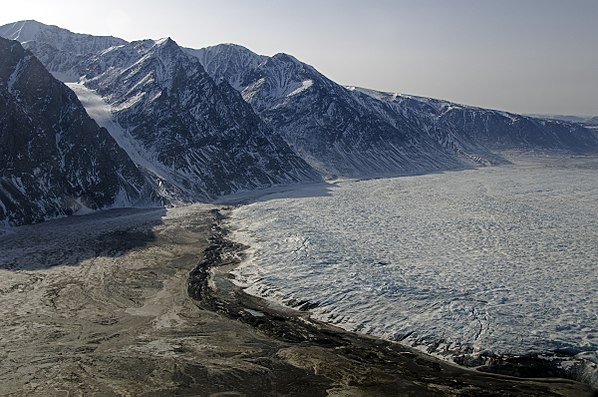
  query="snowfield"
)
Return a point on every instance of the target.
[{"x": 500, "y": 260}]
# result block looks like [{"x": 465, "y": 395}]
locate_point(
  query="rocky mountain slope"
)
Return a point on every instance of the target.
[
  {"x": 196, "y": 138},
  {"x": 337, "y": 131},
  {"x": 200, "y": 135},
  {"x": 494, "y": 129},
  {"x": 353, "y": 131},
  {"x": 225, "y": 62},
  {"x": 54, "y": 159}
]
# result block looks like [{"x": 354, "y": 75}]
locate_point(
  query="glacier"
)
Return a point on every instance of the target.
[{"x": 493, "y": 262}]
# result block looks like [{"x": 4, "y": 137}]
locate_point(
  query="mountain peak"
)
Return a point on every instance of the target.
[
  {"x": 281, "y": 56},
  {"x": 23, "y": 31},
  {"x": 228, "y": 51},
  {"x": 150, "y": 63},
  {"x": 283, "y": 60},
  {"x": 169, "y": 52},
  {"x": 159, "y": 47},
  {"x": 227, "y": 62},
  {"x": 165, "y": 48},
  {"x": 32, "y": 30},
  {"x": 165, "y": 41},
  {"x": 231, "y": 47},
  {"x": 57, "y": 48}
]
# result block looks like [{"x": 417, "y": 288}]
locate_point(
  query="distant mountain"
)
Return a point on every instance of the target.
[
  {"x": 54, "y": 159},
  {"x": 60, "y": 50},
  {"x": 358, "y": 132},
  {"x": 592, "y": 121},
  {"x": 337, "y": 131},
  {"x": 560, "y": 117},
  {"x": 496, "y": 130}
]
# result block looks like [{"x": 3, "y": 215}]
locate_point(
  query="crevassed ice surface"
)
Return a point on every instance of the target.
[{"x": 499, "y": 259}]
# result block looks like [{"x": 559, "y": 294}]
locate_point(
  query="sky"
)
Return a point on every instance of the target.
[{"x": 525, "y": 56}]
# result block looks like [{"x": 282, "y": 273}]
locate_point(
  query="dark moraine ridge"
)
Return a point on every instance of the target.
[{"x": 400, "y": 370}]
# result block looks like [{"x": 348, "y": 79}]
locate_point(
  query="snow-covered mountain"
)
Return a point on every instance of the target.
[
  {"x": 196, "y": 138},
  {"x": 199, "y": 136},
  {"x": 356, "y": 132},
  {"x": 60, "y": 50},
  {"x": 337, "y": 131},
  {"x": 225, "y": 61},
  {"x": 496, "y": 130},
  {"x": 54, "y": 159}
]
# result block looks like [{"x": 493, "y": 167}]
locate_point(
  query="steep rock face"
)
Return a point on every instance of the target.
[
  {"x": 496, "y": 130},
  {"x": 201, "y": 138},
  {"x": 336, "y": 131},
  {"x": 60, "y": 51},
  {"x": 54, "y": 159},
  {"x": 226, "y": 62}
]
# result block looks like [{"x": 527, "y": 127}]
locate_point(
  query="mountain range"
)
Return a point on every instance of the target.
[
  {"x": 586, "y": 120},
  {"x": 176, "y": 125}
]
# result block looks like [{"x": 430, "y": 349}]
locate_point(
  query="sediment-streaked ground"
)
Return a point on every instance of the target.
[{"x": 98, "y": 305}]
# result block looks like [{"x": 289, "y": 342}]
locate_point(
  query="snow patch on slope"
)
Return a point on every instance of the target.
[
  {"x": 15, "y": 75},
  {"x": 305, "y": 84},
  {"x": 102, "y": 113}
]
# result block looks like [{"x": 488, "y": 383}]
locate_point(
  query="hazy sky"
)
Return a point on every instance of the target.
[{"x": 529, "y": 56}]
